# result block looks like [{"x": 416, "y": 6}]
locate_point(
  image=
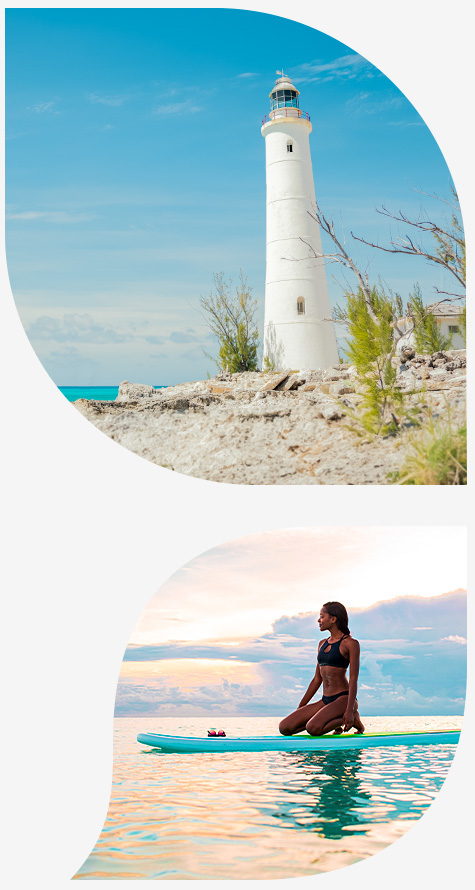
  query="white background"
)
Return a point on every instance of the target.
[{"x": 91, "y": 530}]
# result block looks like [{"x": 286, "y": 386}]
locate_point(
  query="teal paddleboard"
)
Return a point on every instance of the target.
[{"x": 303, "y": 742}]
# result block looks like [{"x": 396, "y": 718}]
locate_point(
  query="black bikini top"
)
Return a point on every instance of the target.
[{"x": 333, "y": 657}]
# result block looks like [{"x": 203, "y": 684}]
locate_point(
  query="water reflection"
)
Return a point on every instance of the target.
[
  {"x": 201, "y": 817},
  {"x": 333, "y": 790}
]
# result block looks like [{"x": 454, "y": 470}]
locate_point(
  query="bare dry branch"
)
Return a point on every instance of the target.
[
  {"x": 436, "y": 196},
  {"x": 454, "y": 297},
  {"x": 409, "y": 247},
  {"x": 342, "y": 256}
]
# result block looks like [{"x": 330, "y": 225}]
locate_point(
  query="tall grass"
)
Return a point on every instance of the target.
[{"x": 437, "y": 456}]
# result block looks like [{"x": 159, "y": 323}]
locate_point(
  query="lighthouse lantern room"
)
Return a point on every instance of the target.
[{"x": 298, "y": 327}]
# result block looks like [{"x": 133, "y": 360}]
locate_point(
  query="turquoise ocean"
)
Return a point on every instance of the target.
[
  {"x": 99, "y": 393},
  {"x": 261, "y": 815}
]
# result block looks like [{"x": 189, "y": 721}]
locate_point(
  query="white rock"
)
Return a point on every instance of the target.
[{"x": 132, "y": 392}]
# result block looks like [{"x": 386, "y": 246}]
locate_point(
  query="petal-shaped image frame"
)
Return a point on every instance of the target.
[
  {"x": 210, "y": 782},
  {"x": 348, "y": 326}
]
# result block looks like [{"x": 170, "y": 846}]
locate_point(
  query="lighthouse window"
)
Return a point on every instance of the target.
[
  {"x": 300, "y": 306},
  {"x": 289, "y": 146},
  {"x": 284, "y": 99}
]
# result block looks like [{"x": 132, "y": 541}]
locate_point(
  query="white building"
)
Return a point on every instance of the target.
[
  {"x": 298, "y": 327},
  {"x": 448, "y": 317}
]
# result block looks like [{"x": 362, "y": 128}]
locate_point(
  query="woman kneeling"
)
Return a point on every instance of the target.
[{"x": 338, "y": 708}]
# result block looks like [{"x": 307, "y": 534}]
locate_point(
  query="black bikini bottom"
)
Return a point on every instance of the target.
[{"x": 327, "y": 699}]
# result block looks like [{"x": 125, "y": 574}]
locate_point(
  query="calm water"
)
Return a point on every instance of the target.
[
  {"x": 99, "y": 393},
  {"x": 261, "y": 815}
]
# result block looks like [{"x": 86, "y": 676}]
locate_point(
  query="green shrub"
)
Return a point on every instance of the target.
[
  {"x": 230, "y": 315},
  {"x": 437, "y": 456},
  {"x": 428, "y": 336},
  {"x": 371, "y": 349}
]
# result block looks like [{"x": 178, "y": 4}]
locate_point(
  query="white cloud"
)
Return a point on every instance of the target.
[
  {"x": 364, "y": 104},
  {"x": 80, "y": 328},
  {"x": 398, "y": 675},
  {"x": 69, "y": 358},
  {"x": 349, "y": 66},
  {"x": 404, "y": 124},
  {"x": 177, "y": 108},
  {"x": 43, "y": 107},
  {"x": 290, "y": 570},
  {"x": 9, "y": 136},
  {"x": 53, "y": 216},
  {"x": 112, "y": 101},
  {"x": 184, "y": 337}
]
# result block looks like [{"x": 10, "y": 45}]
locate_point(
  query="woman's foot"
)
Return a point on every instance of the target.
[
  {"x": 338, "y": 730},
  {"x": 357, "y": 722}
]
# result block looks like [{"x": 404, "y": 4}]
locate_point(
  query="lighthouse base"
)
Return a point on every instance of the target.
[{"x": 298, "y": 345}]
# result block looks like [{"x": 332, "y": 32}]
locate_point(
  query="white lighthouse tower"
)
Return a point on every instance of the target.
[{"x": 298, "y": 330}]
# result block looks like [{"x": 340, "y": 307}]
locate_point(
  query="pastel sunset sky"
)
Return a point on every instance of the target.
[
  {"x": 235, "y": 630},
  {"x": 135, "y": 170}
]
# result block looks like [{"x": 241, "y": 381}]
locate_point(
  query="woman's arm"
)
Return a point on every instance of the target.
[
  {"x": 354, "y": 655},
  {"x": 315, "y": 682}
]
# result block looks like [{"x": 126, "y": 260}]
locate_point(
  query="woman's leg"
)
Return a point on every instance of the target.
[
  {"x": 359, "y": 726},
  {"x": 297, "y": 720},
  {"x": 328, "y": 717}
]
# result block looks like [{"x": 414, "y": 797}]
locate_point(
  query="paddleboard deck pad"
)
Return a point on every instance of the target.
[{"x": 302, "y": 742}]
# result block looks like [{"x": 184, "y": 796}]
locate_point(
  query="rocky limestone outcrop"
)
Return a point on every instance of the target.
[
  {"x": 285, "y": 428},
  {"x": 441, "y": 370}
]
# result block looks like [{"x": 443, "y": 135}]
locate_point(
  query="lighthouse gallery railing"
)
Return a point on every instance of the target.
[{"x": 285, "y": 112}]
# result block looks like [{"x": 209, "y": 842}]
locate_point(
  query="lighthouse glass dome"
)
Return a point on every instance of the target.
[{"x": 284, "y": 99}]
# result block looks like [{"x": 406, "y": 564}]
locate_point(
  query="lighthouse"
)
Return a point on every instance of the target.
[{"x": 298, "y": 327}]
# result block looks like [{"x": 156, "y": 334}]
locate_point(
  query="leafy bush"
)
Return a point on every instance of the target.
[
  {"x": 437, "y": 456},
  {"x": 428, "y": 336},
  {"x": 371, "y": 349},
  {"x": 231, "y": 317}
]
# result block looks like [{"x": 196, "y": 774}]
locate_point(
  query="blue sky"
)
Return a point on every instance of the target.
[
  {"x": 235, "y": 630},
  {"x": 135, "y": 170}
]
